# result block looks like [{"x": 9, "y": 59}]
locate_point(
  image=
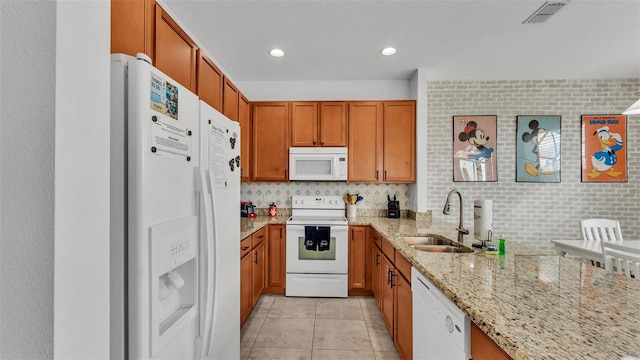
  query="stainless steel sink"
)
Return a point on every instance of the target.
[
  {"x": 425, "y": 240},
  {"x": 434, "y": 244},
  {"x": 442, "y": 248}
]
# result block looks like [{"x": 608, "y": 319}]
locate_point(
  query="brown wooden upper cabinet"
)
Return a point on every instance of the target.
[
  {"x": 244, "y": 118},
  {"x": 270, "y": 140},
  {"x": 365, "y": 141},
  {"x": 382, "y": 141},
  {"x": 399, "y": 144},
  {"x": 209, "y": 82},
  {"x": 143, "y": 26},
  {"x": 175, "y": 53},
  {"x": 230, "y": 96},
  {"x": 318, "y": 123},
  {"x": 132, "y": 26}
]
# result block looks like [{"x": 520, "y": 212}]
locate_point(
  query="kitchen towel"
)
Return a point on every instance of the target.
[
  {"x": 323, "y": 238},
  {"x": 310, "y": 242}
]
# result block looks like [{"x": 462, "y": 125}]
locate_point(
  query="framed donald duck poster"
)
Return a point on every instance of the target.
[
  {"x": 604, "y": 148},
  {"x": 474, "y": 148}
]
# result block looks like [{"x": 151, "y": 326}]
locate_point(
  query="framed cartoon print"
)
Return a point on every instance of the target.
[
  {"x": 538, "y": 148},
  {"x": 474, "y": 148},
  {"x": 604, "y": 148}
]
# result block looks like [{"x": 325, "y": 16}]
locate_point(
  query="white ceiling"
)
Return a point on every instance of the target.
[{"x": 483, "y": 39}]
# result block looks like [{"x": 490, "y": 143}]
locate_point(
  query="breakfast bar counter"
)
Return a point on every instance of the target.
[{"x": 533, "y": 303}]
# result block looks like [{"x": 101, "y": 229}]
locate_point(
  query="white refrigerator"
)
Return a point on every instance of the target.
[{"x": 165, "y": 231}]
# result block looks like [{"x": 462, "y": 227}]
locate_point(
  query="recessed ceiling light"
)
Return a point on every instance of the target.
[
  {"x": 388, "y": 51},
  {"x": 276, "y": 53}
]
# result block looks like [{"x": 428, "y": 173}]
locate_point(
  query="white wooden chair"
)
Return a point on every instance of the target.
[
  {"x": 621, "y": 259},
  {"x": 601, "y": 229}
]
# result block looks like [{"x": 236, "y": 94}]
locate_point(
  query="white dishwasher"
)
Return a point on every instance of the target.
[{"x": 440, "y": 328}]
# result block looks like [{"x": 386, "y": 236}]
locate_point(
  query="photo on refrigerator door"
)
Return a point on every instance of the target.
[
  {"x": 538, "y": 148},
  {"x": 604, "y": 148},
  {"x": 474, "y": 148},
  {"x": 164, "y": 97}
]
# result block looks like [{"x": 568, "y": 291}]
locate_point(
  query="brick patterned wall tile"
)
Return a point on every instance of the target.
[{"x": 533, "y": 213}]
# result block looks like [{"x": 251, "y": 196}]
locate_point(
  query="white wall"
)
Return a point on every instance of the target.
[
  {"x": 325, "y": 90},
  {"x": 27, "y": 142},
  {"x": 54, "y": 161},
  {"x": 418, "y": 191},
  {"x": 81, "y": 311}
]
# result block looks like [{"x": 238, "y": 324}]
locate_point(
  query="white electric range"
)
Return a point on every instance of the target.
[{"x": 317, "y": 247}]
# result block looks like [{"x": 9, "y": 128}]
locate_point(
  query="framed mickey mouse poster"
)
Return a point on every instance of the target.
[
  {"x": 474, "y": 148},
  {"x": 538, "y": 148}
]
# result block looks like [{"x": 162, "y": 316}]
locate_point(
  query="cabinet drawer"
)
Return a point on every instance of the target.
[
  {"x": 388, "y": 249},
  {"x": 403, "y": 265},
  {"x": 259, "y": 236},
  {"x": 245, "y": 246},
  {"x": 376, "y": 237}
]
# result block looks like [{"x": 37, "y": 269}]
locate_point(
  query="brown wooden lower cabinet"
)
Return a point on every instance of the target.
[
  {"x": 391, "y": 285},
  {"x": 259, "y": 267},
  {"x": 246, "y": 265},
  {"x": 403, "y": 317},
  {"x": 360, "y": 265},
  {"x": 483, "y": 348},
  {"x": 276, "y": 263}
]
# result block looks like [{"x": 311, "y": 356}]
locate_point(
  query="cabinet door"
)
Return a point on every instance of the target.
[
  {"x": 132, "y": 27},
  {"x": 276, "y": 273},
  {"x": 304, "y": 123},
  {"x": 333, "y": 123},
  {"x": 246, "y": 298},
  {"x": 209, "y": 82},
  {"x": 270, "y": 141},
  {"x": 258, "y": 275},
  {"x": 365, "y": 141},
  {"x": 378, "y": 277},
  {"x": 483, "y": 348},
  {"x": 244, "y": 118},
  {"x": 230, "y": 98},
  {"x": 175, "y": 52},
  {"x": 357, "y": 257},
  {"x": 399, "y": 141},
  {"x": 403, "y": 316},
  {"x": 386, "y": 301}
]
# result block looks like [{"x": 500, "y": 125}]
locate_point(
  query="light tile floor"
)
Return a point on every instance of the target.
[{"x": 285, "y": 328}]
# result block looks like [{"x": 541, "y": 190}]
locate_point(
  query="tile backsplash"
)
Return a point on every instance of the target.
[{"x": 375, "y": 195}]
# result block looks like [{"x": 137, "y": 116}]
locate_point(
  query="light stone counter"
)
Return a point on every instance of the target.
[
  {"x": 532, "y": 303},
  {"x": 250, "y": 225}
]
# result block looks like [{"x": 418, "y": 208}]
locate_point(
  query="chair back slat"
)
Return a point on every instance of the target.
[
  {"x": 621, "y": 259},
  {"x": 601, "y": 229}
]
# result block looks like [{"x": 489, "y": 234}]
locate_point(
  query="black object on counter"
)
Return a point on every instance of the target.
[{"x": 393, "y": 207}]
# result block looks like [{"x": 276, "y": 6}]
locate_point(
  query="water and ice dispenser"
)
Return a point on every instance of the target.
[
  {"x": 173, "y": 247},
  {"x": 482, "y": 220}
]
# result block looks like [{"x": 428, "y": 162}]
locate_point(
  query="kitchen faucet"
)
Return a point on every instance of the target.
[{"x": 447, "y": 205}]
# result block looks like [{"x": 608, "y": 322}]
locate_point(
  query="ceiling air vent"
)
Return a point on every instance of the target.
[{"x": 545, "y": 11}]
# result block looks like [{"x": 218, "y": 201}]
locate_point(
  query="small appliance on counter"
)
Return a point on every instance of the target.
[
  {"x": 273, "y": 210},
  {"x": 393, "y": 207},
  {"x": 247, "y": 209},
  {"x": 482, "y": 222}
]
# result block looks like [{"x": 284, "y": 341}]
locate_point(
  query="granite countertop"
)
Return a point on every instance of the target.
[
  {"x": 533, "y": 303},
  {"x": 250, "y": 225}
]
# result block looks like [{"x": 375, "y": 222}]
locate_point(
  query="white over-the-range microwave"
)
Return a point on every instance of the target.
[{"x": 318, "y": 163}]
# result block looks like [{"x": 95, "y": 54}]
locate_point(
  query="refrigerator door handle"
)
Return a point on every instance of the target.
[
  {"x": 206, "y": 215},
  {"x": 213, "y": 253}
]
